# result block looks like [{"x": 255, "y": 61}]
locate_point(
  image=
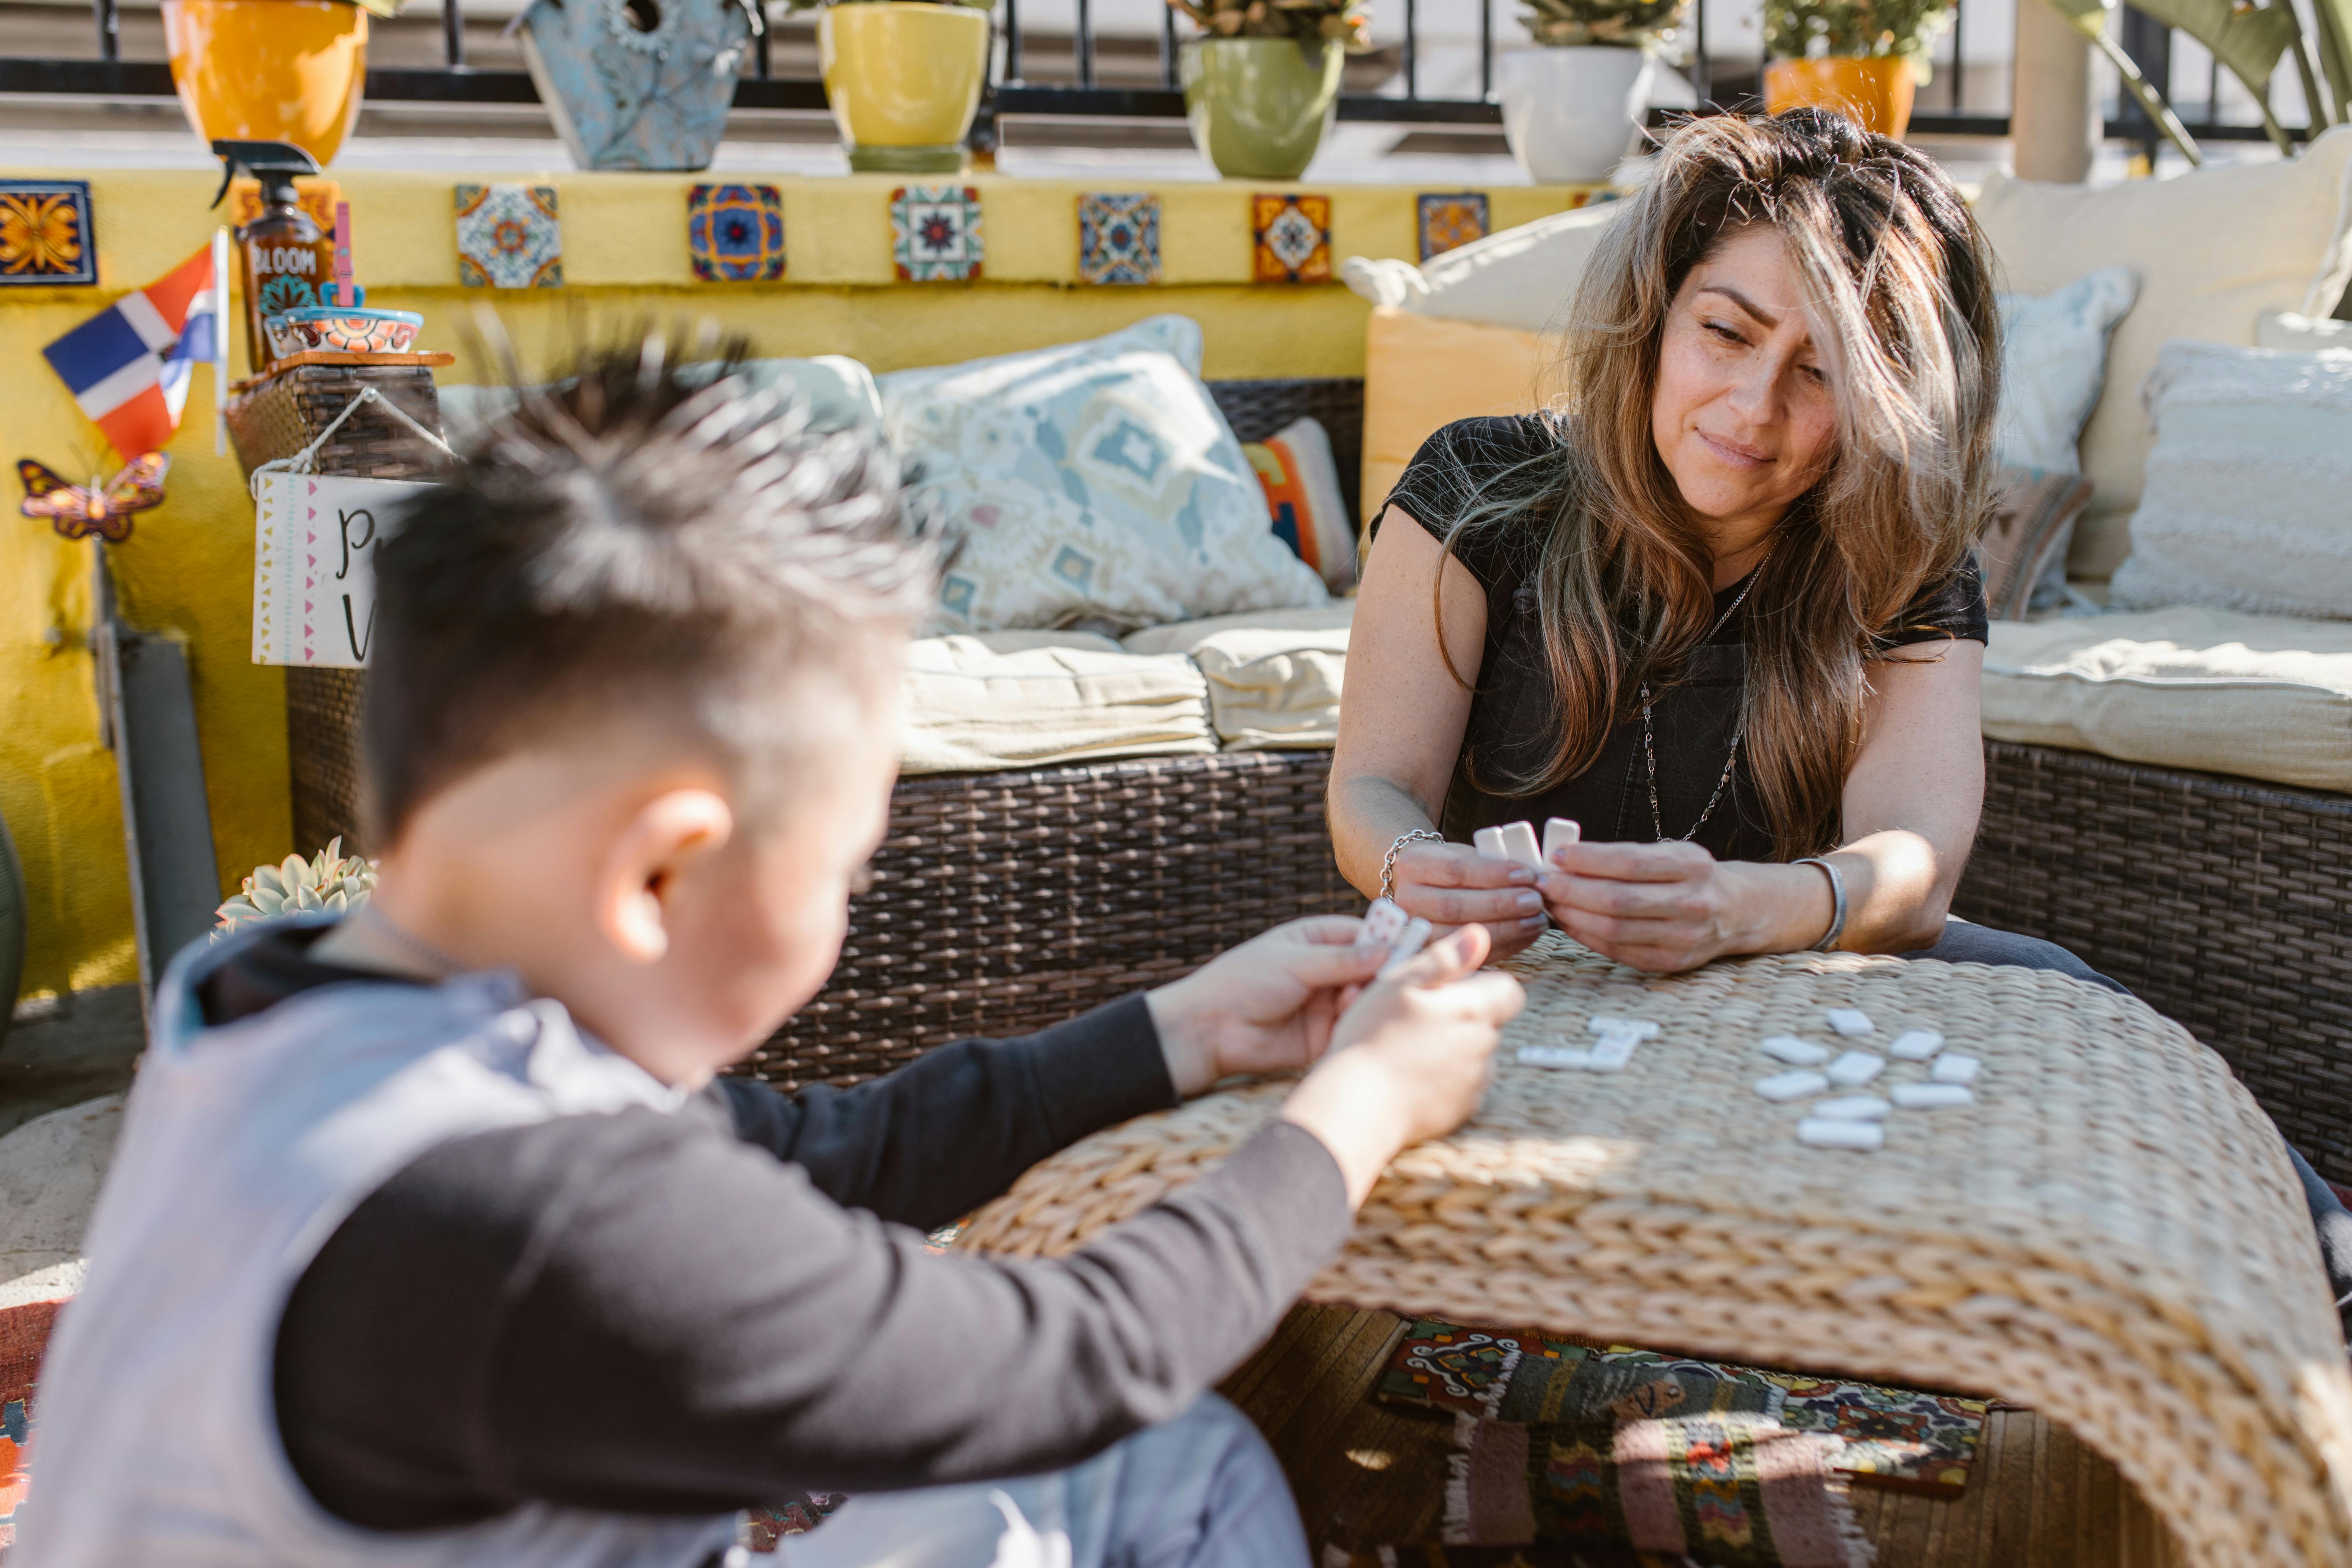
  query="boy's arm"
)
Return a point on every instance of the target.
[
  {"x": 952, "y": 1128},
  {"x": 626, "y": 1312}
]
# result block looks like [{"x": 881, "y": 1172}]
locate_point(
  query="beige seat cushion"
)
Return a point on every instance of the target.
[
  {"x": 1274, "y": 678},
  {"x": 1013, "y": 699},
  {"x": 2264, "y": 697},
  {"x": 2213, "y": 250}
]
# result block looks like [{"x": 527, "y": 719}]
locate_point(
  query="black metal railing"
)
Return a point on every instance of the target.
[{"x": 1010, "y": 92}]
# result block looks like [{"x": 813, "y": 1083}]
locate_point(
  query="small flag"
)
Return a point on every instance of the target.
[{"x": 129, "y": 366}]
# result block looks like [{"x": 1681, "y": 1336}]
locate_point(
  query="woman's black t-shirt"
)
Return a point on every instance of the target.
[{"x": 1514, "y": 716}]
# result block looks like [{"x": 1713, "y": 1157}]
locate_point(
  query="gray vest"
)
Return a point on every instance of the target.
[{"x": 243, "y": 1148}]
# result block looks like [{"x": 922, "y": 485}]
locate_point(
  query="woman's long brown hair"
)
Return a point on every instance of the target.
[{"x": 1899, "y": 286}]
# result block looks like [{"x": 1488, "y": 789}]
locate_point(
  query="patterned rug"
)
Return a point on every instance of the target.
[{"x": 1896, "y": 1437}]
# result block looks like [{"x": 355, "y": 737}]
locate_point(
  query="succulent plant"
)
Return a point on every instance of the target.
[
  {"x": 328, "y": 881},
  {"x": 1347, "y": 22},
  {"x": 1628, "y": 23}
]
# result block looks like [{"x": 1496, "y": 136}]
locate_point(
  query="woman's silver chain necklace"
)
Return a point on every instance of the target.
[{"x": 1649, "y": 738}]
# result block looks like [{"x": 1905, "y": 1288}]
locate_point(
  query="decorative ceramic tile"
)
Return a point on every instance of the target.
[
  {"x": 1292, "y": 238},
  {"x": 1450, "y": 220},
  {"x": 508, "y": 236},
  {"x": 45, "y": 233},
  {"x": 1119, "y": 239},
  {"x": 935, "y": 233},
  {"x": 735, "y": 234}
]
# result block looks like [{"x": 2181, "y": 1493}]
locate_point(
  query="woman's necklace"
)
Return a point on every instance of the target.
[{"x": 1649, "y": 740}]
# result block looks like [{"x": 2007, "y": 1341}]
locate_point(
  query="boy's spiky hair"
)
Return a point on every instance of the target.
[{"x": 646, "y": 533}]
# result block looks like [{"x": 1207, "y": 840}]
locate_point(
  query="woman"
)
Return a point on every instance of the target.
[{"x": 1721, "y": 608}]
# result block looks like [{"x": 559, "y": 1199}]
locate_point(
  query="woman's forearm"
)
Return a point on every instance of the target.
[
  {"x": 1896, "y": 896},
  {"x": 1368, "y": 813}
]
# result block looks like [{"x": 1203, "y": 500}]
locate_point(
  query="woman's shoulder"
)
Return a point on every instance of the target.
[{"x": 1478, "y": 459}]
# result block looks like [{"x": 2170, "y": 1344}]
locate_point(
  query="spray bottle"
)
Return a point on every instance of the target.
[{"x": 284, "y": 255}]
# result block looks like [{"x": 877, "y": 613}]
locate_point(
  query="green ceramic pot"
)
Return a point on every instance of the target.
[{"x": 1259, "y": 106}]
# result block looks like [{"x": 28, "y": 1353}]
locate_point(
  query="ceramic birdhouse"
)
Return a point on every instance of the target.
[{"x": 638, "y": 84}]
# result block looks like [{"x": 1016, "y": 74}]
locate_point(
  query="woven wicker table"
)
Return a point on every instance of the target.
[{"x": 2111, "y": 1234}]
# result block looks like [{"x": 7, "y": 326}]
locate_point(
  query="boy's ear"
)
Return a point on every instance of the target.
[{"x": 652, "y": 846}]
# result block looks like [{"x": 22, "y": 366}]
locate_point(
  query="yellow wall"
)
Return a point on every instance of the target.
[{"x": 188, "y": 568}]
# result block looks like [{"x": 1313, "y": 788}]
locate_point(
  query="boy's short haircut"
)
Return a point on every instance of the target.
[{"x": 642, "y": 536}]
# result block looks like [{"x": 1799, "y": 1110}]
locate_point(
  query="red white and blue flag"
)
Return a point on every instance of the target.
[{"x": 129, "y": 366}]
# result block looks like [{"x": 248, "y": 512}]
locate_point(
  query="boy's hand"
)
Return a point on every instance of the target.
[
  {"x": 1268, "y": 1006},
  {"x": 1421, "y": 1043}
]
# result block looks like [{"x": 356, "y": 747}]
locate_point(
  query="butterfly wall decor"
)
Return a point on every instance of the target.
[{"x": 106, "y": 511}]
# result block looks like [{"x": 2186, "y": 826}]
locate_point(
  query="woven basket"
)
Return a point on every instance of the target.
[
  {"x": 2111, "y": 1235},
  {"x": 277, "y": 415}
]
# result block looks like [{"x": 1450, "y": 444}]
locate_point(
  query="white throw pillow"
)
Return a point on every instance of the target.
[
  {"x": 2213, "y": 249},
  {"x": 1092, "y": 481},
  {"x": 2249, "y": 498},
  {"x": 2054, "y": 360},
  {"x": 1521, "y": 278}
]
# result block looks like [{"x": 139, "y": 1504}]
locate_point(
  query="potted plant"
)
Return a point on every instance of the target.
[
  {"x": 1571, "y": 105},
  {"x": 638, "y": 84},
  {"x": 270, "y": 70},
  {"x": 1863, "y": 58},
  {"x": 904, "y": 79},
  {"x": 1261, "y": 83}
]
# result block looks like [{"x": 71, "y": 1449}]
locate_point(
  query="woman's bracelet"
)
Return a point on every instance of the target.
[
  {"x": 1837, "y": 901},
  {"x": 1388, "y": 862}
]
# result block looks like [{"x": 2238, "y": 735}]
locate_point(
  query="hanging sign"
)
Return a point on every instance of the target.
[{"x": 314, "y": 544}]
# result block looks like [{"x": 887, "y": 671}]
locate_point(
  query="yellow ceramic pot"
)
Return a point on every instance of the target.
[
  {"x": 269, "y": 70},
  {"x": 1875, "y": 93},
  {"x": 904, "y": 80}
]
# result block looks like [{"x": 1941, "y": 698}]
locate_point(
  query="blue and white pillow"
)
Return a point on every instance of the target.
[
  {"x": 2054, "y": 363},
  {"x": 1092, "y": 481}
]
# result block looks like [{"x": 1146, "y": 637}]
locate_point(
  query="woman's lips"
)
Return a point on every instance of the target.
[{"x": 1732, "y": 452}]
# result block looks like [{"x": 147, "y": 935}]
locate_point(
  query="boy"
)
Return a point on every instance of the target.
[{"x": 432, "y": 1238}]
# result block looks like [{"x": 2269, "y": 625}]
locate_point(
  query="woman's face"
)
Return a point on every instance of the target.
[{"x": 1743, "y": 415}]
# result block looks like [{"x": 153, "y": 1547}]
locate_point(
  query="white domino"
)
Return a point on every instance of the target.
[
  {"x": 1931, "y": 1096},
  {"x": 1559, "y": 833},
  {"x": 1797, "y": 1053},
  {"x": 1554, "y": 1057},
  {"x": 1613, "y": 1052},
  {"x": 1823, "y": 1133},
  {"x": 1519, "y": 844},
  {"x": 1855, "y": 1069},
  {"x": 1848, "y": 1021},
  {"x": 1786, "y": 1086},
  {"x": 1383, "y": 923},
  {"x": 1488, "y": 842},
  {"x": 1408, "y": 946},
  {"x": 1915, "y": 1046},
  {"x": 1954, "y": 1068}
]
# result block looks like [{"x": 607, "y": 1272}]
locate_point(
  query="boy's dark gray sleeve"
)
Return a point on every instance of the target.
[
  {"x": 638, "y": 1313},
  {"x": 952, "y": 1128}
]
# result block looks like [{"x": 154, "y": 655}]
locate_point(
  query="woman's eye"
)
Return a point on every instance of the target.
[
  {"x": 1813, "y": 374},
  {"x": 1725, "y": 333}
]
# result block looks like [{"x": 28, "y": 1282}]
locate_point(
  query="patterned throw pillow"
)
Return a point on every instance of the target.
[
  {"x": 2054, "y": 363},
  {"x": 1302, "y": 491},
  {"x": 2032, "y": 523},
  {"x": 1091, "y": 481}
]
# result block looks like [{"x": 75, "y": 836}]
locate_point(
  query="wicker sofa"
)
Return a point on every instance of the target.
[{"x": 1004, "y": 900}]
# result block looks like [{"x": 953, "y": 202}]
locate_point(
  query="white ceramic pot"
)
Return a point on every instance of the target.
[{"x": 1570, "y": 113}]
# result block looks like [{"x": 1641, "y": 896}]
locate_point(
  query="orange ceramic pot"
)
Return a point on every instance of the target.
[
  {"x": 1876, "y": 93},
  {"x": 269, "y": 70}
]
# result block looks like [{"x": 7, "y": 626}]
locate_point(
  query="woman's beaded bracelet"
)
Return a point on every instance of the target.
[
  {"x": 1837, "y": 901},
  {"x": 1388, "y": 863}
]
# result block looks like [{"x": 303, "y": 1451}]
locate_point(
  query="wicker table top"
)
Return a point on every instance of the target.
[{"x": 2112, "y": 1234}]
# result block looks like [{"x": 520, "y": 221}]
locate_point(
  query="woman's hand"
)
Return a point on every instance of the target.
[
  {"x": 1665, "y": 908},
  {"x": 1451, "y": 885},
  {"x": 1419, "y": 1048},
  {"x": 1268, "y": 1005}
]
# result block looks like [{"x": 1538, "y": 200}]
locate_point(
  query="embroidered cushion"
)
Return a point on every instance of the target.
[
  {"x": 1294, "y": 466},
  {"x": 2247, "y": 485},
  {"x": 2023, "y": 552},
  {"x": 2212, "y": 249},
  {"x": 1092, "y": 481}
]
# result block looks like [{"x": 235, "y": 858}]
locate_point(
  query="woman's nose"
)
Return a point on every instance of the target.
[{"x": 1756, "y": 393}]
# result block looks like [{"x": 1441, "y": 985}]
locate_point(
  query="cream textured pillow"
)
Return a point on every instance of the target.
[
  {"x": 1014, "y": 700},
  {"x": 2259, "y": 696},
  {"x": 2249, "y": 498},
  {"x": 2054, "y": 361},
  {"x": 2213, "y": 249},
  {"x": 1520, "y": 278},
  {"x": 1274, "y": 679},
  {"x": 1092, "y": 479}
]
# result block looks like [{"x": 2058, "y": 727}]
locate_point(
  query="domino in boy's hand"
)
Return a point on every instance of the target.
[{"x": 1383, "y": 923}]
